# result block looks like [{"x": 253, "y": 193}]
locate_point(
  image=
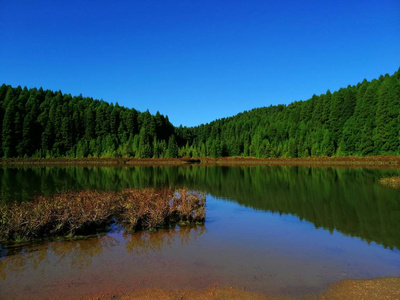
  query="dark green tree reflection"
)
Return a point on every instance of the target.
[{"x": 348, "y": 200}]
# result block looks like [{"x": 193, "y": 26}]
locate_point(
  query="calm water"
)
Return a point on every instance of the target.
[{"x": 276, "y": 230}]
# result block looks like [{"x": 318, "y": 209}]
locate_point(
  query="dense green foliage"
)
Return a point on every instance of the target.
[
  {"x": 357, "y": 120},
  {"x": 38, "y": 123}
]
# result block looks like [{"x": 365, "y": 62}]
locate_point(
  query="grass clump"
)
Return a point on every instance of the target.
[
  {"x": 85, "y": 211},
  {"x": 152, "y": 209},
  {"x": 393, "y": 182}
]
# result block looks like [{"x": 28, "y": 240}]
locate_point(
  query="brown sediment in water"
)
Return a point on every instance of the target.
[
  {"x": 211, "y": 293},
  {"x": 381, "y": 161},
  {"x": 379, "y": 288}
]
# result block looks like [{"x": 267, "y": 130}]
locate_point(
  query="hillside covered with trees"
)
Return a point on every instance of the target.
[
  {"x": 38, "y": 123},
  {"x": 358, "y": 120}
]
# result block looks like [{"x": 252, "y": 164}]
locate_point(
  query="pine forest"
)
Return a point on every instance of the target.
[{"x": 362, "y": 120}]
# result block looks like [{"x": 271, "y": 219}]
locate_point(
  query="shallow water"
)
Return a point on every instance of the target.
[{"x": 274, "y": 230}]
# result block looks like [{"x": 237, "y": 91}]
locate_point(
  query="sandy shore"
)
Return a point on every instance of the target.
[{"x": 380, "y": 288}]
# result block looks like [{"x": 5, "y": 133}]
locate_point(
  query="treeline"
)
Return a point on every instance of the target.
[
  {"x": 38, "y": 123},
  {"x": 358, "y": 120}
]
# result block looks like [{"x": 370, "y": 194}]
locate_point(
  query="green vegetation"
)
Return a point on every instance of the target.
[
  {"x": 85, "y": 211},
  {"x": 358, "y": 120},
  {"x": 38, "y": 123}
]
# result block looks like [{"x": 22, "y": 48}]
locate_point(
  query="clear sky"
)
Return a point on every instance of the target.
[{"x": 197, "y": 60}]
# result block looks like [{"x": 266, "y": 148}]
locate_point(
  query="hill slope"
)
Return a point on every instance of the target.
[
  {"x": 42, "y": 123},
  {"x": 357, "y": 120}
]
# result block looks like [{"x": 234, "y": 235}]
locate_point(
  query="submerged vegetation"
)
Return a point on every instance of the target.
[
  {"x": 85, "y": 211},
  {"x": 393, "y": 182},
  {"x": 362, "y": 119}
]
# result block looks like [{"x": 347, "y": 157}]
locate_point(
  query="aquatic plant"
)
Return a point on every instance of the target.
[
  {"x": 151, "y": 209},
  {"x": 85, "y": 211},
  {"x": 188, "y": 207},
  {"x": 393, "y": 181}
]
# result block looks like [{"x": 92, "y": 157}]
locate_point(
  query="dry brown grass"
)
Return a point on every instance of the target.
[
  {"x": 85, "y": 211},
  {"x": 152, "y": 209},
  {"x": 393, "y": 182}
]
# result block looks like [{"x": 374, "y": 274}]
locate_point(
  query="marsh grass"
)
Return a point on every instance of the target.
[
  {"x": 393, "y": 181},
  {"x": 79, "y": 213}
]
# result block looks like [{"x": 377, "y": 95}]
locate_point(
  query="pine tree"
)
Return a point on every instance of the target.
[{"x": 172, "y": 147}]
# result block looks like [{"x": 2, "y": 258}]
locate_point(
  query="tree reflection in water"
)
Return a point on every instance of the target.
[
  {"x": 81, "y": 253},
  {"x": 144, "y": 242},
  {"x": 348, "y": 200}
]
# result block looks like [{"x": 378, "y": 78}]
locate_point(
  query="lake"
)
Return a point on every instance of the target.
[{"x": 277, "y": 230}]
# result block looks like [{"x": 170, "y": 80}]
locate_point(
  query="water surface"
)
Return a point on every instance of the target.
[{"x": 274, "y": 230}]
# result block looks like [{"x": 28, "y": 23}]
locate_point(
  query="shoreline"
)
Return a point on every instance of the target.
[
  {"x": 380, "y": 161},
  {"x": 377, "y": 288}
]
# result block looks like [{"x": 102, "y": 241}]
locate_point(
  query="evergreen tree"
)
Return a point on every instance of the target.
[
  {"x": 356, "y": 120},
  {"x": 172, "y": 147}
]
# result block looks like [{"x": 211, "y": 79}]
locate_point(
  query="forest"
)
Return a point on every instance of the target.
[{"x": 362, "y": 119}]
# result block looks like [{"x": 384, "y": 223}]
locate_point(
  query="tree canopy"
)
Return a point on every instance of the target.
[
  {"x": 358, "y": 120},
  {"x": 363, "y": 119}
]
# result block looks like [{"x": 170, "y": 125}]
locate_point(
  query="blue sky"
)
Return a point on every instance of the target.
[{"x": 197, "y": 61}]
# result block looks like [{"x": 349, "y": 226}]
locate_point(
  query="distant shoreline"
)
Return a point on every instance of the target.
[{"x": 347, "y": 161}]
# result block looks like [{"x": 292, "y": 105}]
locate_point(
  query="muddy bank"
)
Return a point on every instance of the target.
[{"x": 348, "y": 161}]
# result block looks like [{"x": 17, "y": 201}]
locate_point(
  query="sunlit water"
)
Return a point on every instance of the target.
[{"x": 274, "y": 230}]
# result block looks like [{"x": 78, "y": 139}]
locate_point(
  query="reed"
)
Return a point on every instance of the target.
[
  {"x": 84, "y": 212},
  {"x": 393, "y": 181}
]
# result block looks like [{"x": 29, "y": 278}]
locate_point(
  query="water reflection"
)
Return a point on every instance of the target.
[
  {"x": 81, "y": 253},
  {"x": 143, "y": 243},
  {"x": 77, "y": 253},
  {"x": 241, "y": 247},
  {"x": 348, "y": 200}
]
